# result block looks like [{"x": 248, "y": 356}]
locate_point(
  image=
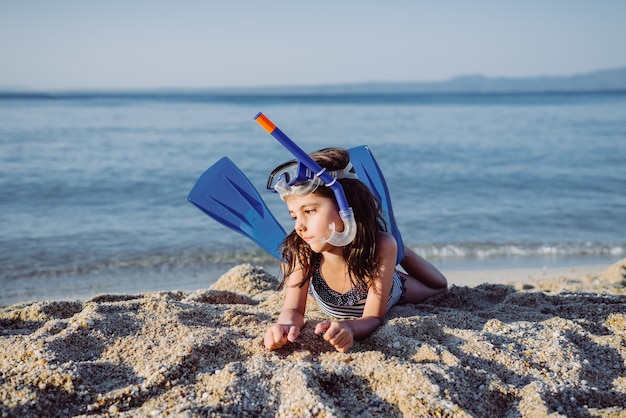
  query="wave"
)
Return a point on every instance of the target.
[
  {"x": 154, "y": 263},
  {"x": 195, "y": 261},
  {"x": 519, "y": 250}
]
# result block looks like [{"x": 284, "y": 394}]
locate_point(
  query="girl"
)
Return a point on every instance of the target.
[{"x": 357, "y": 283}]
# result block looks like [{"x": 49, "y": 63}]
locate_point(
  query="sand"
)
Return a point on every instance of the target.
[{"x": 552, "y": 346}]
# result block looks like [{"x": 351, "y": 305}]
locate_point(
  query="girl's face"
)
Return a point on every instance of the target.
[{"x": 312, "y": 215}]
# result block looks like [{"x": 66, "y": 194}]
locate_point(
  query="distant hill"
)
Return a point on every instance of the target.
[
  {"x": 603, "y": 80},
  {"x": 610, "y": 80}
]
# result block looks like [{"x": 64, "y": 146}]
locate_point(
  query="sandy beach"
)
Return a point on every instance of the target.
[{"x": 543, "y": 346}]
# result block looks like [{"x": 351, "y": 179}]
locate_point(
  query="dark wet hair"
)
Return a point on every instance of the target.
[{"x": 360, "y": 254}]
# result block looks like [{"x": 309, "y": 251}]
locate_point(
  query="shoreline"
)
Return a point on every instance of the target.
[
  {"x": 73, "y": 288},
  {"x": 552, "y": 346},
  {"x": 519, "y": 275}
]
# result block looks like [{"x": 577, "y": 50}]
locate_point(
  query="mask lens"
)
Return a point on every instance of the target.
[
  {"x": 301, "y": 188},
  {"x": 291, "y": 173},
  {"x": 286, "y": 172}
]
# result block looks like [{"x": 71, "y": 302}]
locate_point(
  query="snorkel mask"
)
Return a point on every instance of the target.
[
  {"x": 294, "y": 178},
  {"x": 304, "y": 175}
]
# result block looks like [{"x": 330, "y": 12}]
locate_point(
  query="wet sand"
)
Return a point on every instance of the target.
[{"x": 543, "y": 346}]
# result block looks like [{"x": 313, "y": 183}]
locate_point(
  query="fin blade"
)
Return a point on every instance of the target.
[
  {"x": 370, "y": 173},
  {"x": 225, "y": 194}
]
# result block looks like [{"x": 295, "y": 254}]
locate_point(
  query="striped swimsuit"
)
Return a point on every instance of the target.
[{"x": 352, "y": 303}]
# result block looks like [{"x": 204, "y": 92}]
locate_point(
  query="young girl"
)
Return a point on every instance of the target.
[{"x": 356, "y": 284}]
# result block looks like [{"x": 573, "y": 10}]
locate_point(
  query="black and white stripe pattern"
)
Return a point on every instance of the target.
[{"x": 352, "y": 303}]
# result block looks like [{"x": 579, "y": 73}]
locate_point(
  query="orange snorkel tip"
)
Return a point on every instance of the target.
[{"x": 265, "y": 122}]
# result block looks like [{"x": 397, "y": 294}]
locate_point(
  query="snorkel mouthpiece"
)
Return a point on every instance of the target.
[
  {"x": 341, "y": 239},
  {"x": 338, "y": 239}
]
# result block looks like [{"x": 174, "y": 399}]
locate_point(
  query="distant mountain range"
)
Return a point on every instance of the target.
[
  {"x": 609, "y": 80},
  {"x": 603, "y": 80}
]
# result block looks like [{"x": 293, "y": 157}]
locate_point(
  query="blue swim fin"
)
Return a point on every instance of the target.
[
  {"x": 369, "y": 173},
  {"x": 225, "y": 194}
]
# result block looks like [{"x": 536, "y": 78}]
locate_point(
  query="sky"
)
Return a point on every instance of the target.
[{"x": 126, "y": 44}]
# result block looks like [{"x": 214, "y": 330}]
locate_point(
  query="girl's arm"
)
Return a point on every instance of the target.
[
  {"x": 291, "y": 318},
  {"x": 341, "y": 334}
]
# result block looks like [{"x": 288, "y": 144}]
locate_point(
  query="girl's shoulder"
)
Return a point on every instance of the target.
[
  {"x": 385, "y": 243},
  {"x": 385, "y": 238}
]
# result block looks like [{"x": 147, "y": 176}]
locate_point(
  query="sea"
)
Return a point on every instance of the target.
[{"x": 94, "y": 185}]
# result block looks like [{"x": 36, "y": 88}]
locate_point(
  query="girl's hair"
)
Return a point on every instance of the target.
[{"x": 360, "y": 254}]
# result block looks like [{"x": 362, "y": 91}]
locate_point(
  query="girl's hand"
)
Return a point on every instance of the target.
[
  {"x": 279, "y": 335},
  {"x": 339, "y": 334}
]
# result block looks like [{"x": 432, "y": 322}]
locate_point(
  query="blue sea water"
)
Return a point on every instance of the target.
[{"x": 93, "y": 187}]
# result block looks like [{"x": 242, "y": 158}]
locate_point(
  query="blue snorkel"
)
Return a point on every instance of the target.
[{"x": 338, "y": 239}]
